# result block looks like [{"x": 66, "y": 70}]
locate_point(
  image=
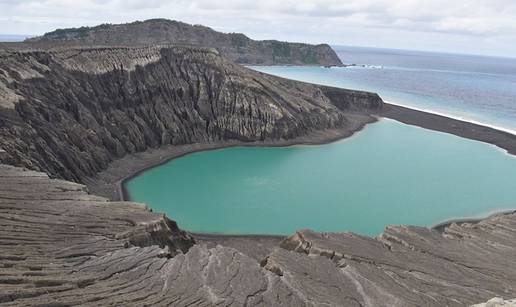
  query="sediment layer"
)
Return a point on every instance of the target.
[{"x": 62, "y": 246}]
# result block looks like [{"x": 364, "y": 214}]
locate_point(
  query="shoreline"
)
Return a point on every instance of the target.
[
  {"x": 124, "y": 193},
  {"x": 472, "y": 220},
  {"x": 151, "y": 158},
  {"x": 110, "y": 183},
  {"x": 454, "y": 117},
  {"x": 441, "y": 123}
]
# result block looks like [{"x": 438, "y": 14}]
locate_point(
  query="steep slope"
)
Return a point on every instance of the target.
[
  {"x": 235, "y": 46},
  {"x": 62, "y": 247},
  {"x": 71, "y": 112}
]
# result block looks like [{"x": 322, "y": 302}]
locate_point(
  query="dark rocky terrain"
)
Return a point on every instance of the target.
[
  {"x": 71, "y": 112},
  {"x": 81, "y": 113},
  {"x": 234, "y": 46},
  {"x": 61, "y": 246}
]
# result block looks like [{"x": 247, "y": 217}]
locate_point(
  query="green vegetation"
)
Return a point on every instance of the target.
[
  {"x": 309, "y": 57},
  {"x": 281, "y": 50},
  {"x": 236, "y": 46},
  {"x": 63, "y": 33},
  {"x": 239, "y": 39},
  {"x": 76, "y": 32}
]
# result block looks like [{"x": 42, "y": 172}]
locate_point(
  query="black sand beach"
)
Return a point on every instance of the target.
[{"x": 460, "y": 128}]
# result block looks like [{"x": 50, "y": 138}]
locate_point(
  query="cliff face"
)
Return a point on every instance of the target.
[
  {"x": 71, "y": 112},
  {"x": 63, "y": 247},
  {"x": 235, "y": 46}
]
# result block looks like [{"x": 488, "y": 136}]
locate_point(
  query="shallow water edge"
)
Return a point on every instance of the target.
[
  {"x": 110, "y": 183},
  {"x": 147, "y": 160}
]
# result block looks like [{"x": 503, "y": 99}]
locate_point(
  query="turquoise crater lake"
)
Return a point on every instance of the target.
[{"x": 389, "y": 173}]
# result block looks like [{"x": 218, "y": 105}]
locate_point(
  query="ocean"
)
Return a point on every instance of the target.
[{"x": 473, "y": 88}]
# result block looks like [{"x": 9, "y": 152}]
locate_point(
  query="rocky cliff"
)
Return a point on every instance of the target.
[
  {"x": 71, "y": 112},
  {"x": 235, "y": 46},
  {"x": 61, "y": 247}
]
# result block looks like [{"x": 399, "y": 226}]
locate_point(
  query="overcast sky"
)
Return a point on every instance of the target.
[{"x": 463, "y": 26}]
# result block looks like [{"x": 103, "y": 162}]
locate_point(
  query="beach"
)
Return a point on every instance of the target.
[{"x": 470, "y": 130}]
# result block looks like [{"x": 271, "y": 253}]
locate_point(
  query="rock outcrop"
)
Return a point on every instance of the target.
[
  {"x": 497, "y": 302},
  {"x": 235, "y": 46},
  {"x": 71, "y": 112},
  {"x": 61, "y": 246}
]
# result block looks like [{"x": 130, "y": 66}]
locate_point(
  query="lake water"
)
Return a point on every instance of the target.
[{"x": 389, "y": 173}]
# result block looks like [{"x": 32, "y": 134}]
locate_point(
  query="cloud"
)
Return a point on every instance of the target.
[
  {"x": 475, "y": 17},
  {"x": 307, "y": 20}
]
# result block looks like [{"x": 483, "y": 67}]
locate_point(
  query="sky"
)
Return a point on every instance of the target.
[{"x": 485, "y": 27}]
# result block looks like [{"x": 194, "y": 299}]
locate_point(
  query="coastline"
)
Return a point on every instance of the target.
[
  {"x": 111, "y": 182},
  {"x": 464, "y": 119}
]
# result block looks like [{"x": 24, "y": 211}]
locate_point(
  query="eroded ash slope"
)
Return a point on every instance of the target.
[
  {"x": 70, "y": 112},
  {"x": 61, "y": 246}
]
